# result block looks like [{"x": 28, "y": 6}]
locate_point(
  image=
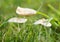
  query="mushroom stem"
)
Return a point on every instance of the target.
[
  {"x": 24, "y": 16},
  {"x": 18, "y": 25},
  {"x": 43, "y": 14}
]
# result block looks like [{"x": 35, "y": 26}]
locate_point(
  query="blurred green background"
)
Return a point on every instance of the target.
[{"x": 29, "y": 32}]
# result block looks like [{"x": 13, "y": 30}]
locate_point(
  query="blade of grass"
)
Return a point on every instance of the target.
[{"x": 55, "y": 10}]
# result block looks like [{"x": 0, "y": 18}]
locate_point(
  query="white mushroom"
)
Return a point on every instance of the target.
[
  {"x": 43, "y": 22},
  {"x": 25, "y": 11},
  {"x": 17, "y": 20}
]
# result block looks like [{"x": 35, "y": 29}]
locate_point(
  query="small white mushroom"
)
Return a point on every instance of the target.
[
  {"x": 25, "y": 11},
  {"x": 43, "y": 22},
  {"x": 17, "y": 20}
]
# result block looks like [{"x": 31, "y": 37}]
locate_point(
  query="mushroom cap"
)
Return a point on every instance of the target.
[
  {"x": 43, "y": 22},
  {"x": 25, "y": 11},
  {"x": 17, "y": 20}
]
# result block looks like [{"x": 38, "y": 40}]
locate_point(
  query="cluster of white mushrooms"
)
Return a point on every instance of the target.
[{"x": 27, "y": 11}]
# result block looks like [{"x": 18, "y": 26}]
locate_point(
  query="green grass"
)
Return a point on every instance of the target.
[{"x": 28, "y": 32}]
